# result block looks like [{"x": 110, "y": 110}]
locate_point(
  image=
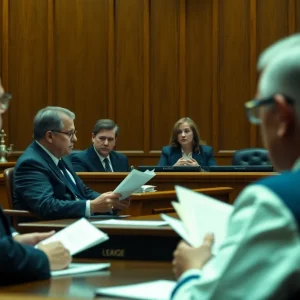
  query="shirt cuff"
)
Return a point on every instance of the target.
[
  {"x": 88, "y": 209},
  {"x": 13, "y": 234}
]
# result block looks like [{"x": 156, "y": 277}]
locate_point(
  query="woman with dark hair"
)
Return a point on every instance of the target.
[{"x": 185, "y": 147}]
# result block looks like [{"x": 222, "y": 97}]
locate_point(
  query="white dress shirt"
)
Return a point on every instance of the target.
[
  {"x": 102, "y": 160},
  {"x": 260, "y": 257}
]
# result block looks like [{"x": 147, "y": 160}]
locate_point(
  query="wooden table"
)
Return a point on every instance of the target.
[
  {"x": 82, "y": 286},
  {"x": 126, "y": 242},
  {"x": 165, "y": 181}
]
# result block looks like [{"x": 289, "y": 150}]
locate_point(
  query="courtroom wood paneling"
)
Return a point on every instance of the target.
[
  {"x": 164, "y": 70},
  {"x": 233, "y": 74},
  {"x": 143, "y": 63},
  {"x": 199, "y": 61},
  {"x": 27, "y": 60},
  {"x": 129, "y": 76},
  {"x": 297, "y": 15},
  {"x": 80, "y": 56}
]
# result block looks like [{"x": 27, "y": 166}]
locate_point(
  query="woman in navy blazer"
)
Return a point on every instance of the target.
[{"x": 186, "y": 148}]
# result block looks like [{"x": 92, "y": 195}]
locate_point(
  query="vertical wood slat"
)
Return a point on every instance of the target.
[
  {"x": 253, "y": 57},
  {"x": 111, "y": 59},
  {"x": 291, "y": 16},
  {"x": 215, "y": 75},
  {"x": 5, "y": 56},
  {"x": 182, "y": 58},
  {"x": 147, "y": 109},
  {"x": 50, "y": 51}
]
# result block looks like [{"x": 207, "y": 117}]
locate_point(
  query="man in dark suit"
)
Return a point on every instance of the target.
[
  {"x": 100, "y": 157},
  {"x": 45, "y": 183},
  {"x": 19, "y": 260}
]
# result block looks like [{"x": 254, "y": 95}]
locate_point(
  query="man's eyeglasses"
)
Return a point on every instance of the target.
[
  {"x": 4, "y": 101},
  {"x": 252, "y": 107},
  {"x": 70, "y": 134}
]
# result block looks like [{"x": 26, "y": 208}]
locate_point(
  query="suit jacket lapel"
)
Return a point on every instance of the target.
[
  {"x": 53, "y": 166},
  {"x": 95, "y": 159}
]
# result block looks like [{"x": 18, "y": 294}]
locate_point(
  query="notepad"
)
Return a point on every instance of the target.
[
  {"x": 152, "y": 290},
  {"x": 137, "y": 223},
  {"x": 133, "y": 181},
  {"x": 76, "y": 268},
  {"x": 199, "y": 214},
  {"x": 78, "y": 236}
]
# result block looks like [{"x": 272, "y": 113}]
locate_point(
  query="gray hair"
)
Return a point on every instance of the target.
[
  {"x": 106, "y": 124},
  {"x": 49, "y": 118},
  {"x": 282, "y": 76},
  {"x": 276, "y": 49}
]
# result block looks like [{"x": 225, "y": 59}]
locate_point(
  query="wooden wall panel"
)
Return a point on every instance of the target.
[
  {"x": 233, "y": 74},
  {"x": 164, "y": 70},
  {"x": 80, "y": 61},
  {"x": 27, "y": 61},
  {"x": 143, "y": 63},
  {"x": 129, "y": 76},
  {"x": 297, "y": 15},
  {"x": 199, "y": 62}
]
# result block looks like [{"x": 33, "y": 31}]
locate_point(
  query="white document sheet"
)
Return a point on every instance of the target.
[
  {"x": 76, "y": 268},
  {"x": 78, "y": 236},
  {"x": 153, "y": 290},
  {"x": 136, "y": 223},
  {"x": 199, "y": 214},
  {"x": 133, "y": 181}
]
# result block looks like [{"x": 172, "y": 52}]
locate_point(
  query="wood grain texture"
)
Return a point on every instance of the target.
[{"x": 143, "y": 63}]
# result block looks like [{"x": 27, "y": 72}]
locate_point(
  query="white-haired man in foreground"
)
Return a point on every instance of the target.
[{"x": 260, "y": 257}]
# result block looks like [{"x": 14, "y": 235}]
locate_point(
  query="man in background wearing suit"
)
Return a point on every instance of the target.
[
  {"x": 20, "y": 261},
  {"x": 45, "y": 183},
  {"x": 260, "y": 256},
  {"x": 100, "y": 157}
]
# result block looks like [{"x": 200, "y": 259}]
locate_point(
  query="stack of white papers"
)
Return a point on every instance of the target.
[
  {"x": 76, "y": 268},
  {"x": 146, "y": 189},
  {"x": 133, "y": 181},
  {"x": 136, "y": 223},
  {"x": 153, "y": 290},
  {"x": 78, "y": 236},
  {"x": 199, "y": 214}
]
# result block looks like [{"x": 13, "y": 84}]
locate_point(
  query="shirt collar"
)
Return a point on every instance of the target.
[
  {"x": 55, "y": 159},
  {"x": 186, "y": 156},
  {"x": 102, "y": 157}
]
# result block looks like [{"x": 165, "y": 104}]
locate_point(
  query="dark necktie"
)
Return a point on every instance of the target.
[
  {"x": 107, "y": 166},
  {"x": 69, "y": 180}
]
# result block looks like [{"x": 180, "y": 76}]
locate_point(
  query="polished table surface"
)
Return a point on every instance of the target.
[
  {"x": 82, "y": 286},
  {"x": 164, "y": 181}
]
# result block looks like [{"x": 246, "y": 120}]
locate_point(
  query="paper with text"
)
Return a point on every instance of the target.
[
  {"x": 136, "y": 223},
  {"x": 78, "y": 236},
  {"x": 76, "y": 268},
  {"x": 200, "y": 214},
  {"x": 153, "y": 290}
]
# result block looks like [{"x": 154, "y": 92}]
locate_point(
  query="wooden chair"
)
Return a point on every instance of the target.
[{"x": 13, "y": 213}]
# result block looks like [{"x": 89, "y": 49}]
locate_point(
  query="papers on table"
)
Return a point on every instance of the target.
[
  {"x": 199, "y": 214},
  {"x": 133, "y": 181},
  {"x": 76, "y": 268},
  {"x": 78, "y": 236},
  {"x": 136, "y": 223},
  {"x": 153, "y": 290},
  {"x": 146, "y": 189}
]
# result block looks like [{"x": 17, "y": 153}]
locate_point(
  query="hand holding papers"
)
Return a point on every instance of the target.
[
  {"x": 199, "y": 215},
  {"x": 133, "y": 181},
  {"x": 78, "y": 236}
]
